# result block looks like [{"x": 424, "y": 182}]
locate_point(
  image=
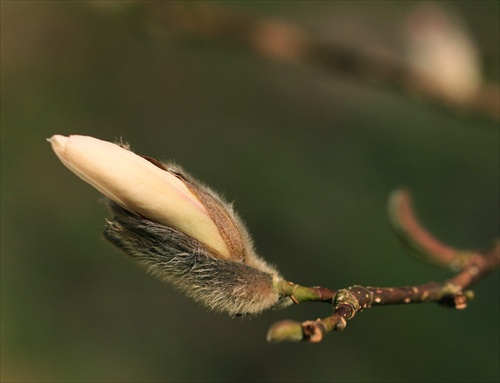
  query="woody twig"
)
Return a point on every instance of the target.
[{"x": 470, "y": 267}]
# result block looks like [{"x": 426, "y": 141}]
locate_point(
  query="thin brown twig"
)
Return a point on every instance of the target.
[{"x": 346, "y": 303}]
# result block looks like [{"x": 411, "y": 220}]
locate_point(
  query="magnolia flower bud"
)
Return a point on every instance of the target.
[
  {"x": 179, "y": 229},
  {"x": 137, "y": 185}
]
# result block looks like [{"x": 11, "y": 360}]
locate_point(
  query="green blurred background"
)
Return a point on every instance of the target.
[{"x": 309, "y": 159}]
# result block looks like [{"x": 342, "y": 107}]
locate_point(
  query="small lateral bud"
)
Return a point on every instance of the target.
[{"x": 179, "y": 229}]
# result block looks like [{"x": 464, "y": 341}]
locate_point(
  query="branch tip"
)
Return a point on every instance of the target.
[
  {"x": 313, "y": 331},
  {"x": 286, "y": 330}
]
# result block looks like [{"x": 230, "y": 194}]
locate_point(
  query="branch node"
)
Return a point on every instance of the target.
[
  {"x": 453, "y": 296},
  {"x": 345, "y": 304},
  {"x": 451, "y": 289}
]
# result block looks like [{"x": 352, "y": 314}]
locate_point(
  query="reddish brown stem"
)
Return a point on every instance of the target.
[{"x": 472, "y": 266}]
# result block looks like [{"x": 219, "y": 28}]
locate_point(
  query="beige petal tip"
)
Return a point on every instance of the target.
[{"x": 58, "y": 143}]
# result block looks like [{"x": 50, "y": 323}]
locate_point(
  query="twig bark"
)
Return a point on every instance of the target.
[{"x": 346, "y": 303}]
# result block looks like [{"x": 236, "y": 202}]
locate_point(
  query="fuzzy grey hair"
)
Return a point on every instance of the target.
[{"x": 243, "y": 285}]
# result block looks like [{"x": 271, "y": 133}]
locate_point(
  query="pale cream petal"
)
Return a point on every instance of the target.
[{"x": 138, "y": 186}]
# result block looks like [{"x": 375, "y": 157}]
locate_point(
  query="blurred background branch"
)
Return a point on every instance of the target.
[{"x": 442, "y": 65}]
